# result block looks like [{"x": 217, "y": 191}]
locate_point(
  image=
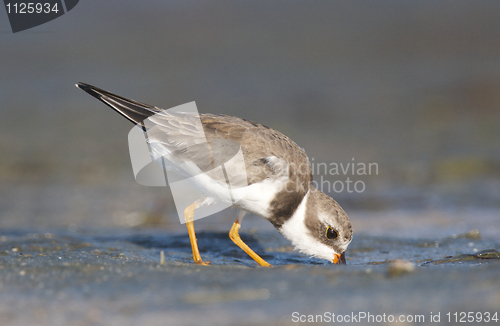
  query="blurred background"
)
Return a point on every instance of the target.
[{"x": 413, "y": 86}]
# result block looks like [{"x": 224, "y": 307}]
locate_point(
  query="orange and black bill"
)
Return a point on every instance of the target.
[{"x": 339, "y": 259}]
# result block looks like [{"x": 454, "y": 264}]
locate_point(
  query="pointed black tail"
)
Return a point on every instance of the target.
[{"x": 134, "y": 111}]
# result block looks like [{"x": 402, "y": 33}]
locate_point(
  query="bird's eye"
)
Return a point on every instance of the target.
[{"x": 331, "y": 233}]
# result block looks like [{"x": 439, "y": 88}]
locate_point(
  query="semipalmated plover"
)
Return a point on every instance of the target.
[{"x": 278, "y": 185}]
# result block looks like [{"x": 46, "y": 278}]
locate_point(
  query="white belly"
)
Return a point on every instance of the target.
[{"x": 257, "y": 197}]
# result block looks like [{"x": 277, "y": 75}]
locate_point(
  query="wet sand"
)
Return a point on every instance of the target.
[{"x": 115, "y": 277}]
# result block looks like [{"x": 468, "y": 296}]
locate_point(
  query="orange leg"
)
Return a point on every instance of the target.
[
  {"x": 188, "y": 215},
  {"x": 235, "y": 236}
]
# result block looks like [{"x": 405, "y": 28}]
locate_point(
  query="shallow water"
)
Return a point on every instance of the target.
[{"x": 114, "y": 276}]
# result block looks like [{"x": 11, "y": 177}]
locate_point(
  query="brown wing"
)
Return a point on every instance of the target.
[
  {"x": 260, "y": 143},
  {"x": 182, "y": 135}
]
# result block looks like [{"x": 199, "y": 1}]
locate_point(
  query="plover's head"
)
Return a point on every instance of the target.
[{"x": 319, "y": 227}]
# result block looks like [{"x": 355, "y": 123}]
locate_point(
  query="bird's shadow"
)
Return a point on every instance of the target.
[
  {"x": 219, "y": 248},
  {"x": 216, "y": 247},
  {"x": 209, "y": 243}
]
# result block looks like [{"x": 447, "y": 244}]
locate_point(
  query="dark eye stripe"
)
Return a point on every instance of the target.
[{"x": 331, "y": 233}]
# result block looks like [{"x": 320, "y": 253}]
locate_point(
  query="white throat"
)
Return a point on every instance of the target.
[{"x": 295, "y": 230}]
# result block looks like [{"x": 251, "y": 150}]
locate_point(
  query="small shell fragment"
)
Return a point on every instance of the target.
[
  {"x": 400, "y": 267},
  {"x": 162, "y": 258}
]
